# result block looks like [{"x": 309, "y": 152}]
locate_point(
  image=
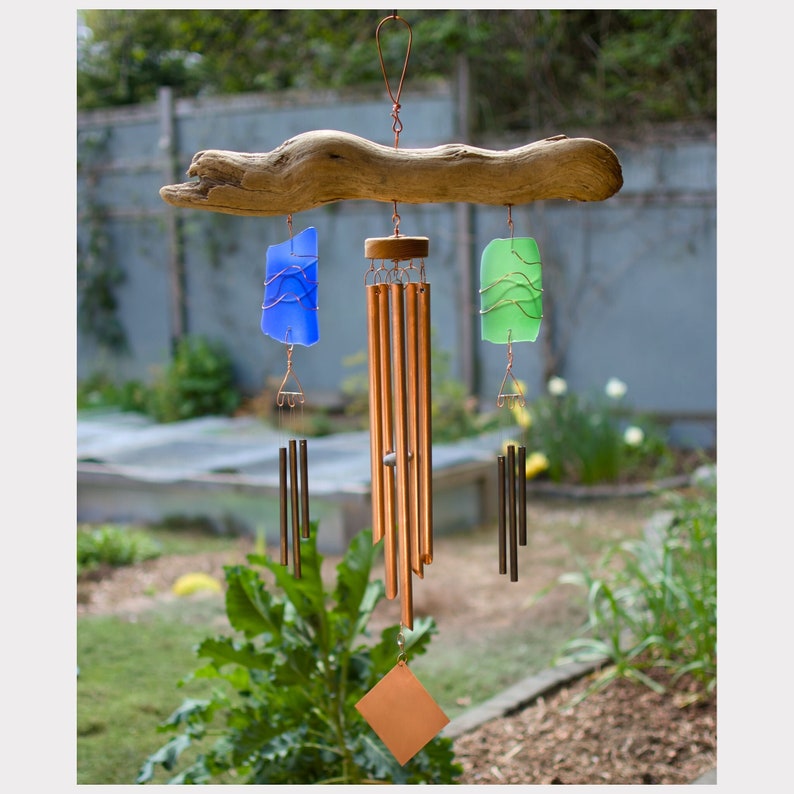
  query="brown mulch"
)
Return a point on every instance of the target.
[{"x": 623, "y": 734}]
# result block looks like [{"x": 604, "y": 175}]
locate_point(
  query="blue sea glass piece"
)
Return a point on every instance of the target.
[
  {"x": 511, "y": 291},
  {"x": 289, "y": 308}
]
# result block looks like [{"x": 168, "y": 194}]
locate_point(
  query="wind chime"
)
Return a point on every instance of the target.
[
  {"x": 511, "y": 310},
  {"x": 290, "y": 315},
  {"x": 398, "y": 346},
  {"x": 325, "y": 166}
]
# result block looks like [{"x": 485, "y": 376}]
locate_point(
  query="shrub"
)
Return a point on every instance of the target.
[
  {"x": 110, "y": 544},
  {"x": 99, "y": 391},
  {"x": 653, "y": 602},
  {"x": 198, "y": 382},
  {"x": 291, "y": 679},
  {"x": 588, "y": 439}
]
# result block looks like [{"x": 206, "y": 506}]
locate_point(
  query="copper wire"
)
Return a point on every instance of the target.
[
  {"x": 291, "y": 396},
  {"x": 394, "y": 96},
  {"x": 505, "y": 397}
]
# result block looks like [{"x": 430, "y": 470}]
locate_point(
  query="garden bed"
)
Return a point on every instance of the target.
[{"x": 625, "y": 734}]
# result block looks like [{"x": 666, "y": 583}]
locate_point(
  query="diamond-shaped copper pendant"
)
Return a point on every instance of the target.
[{"x": 402, "y": 712}]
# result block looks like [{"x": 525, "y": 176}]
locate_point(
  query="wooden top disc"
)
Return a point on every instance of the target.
[{"x": 396, "y": 249}]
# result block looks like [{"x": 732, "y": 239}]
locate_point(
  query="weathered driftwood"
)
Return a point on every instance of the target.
[{"x": 325, "y": 166}]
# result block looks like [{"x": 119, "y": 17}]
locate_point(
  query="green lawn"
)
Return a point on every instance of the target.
[{"x": 128, "y": 673}]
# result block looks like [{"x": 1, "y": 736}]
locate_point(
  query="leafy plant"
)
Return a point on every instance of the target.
[
  {"x": 587, "y": 439},
  {"x": 99, "y": 391},
  {"x": 110, "y": 544},
  {"x": 653, "y": 602},
  {"x": 199, "y": 381},
  {"x": 296, "y": 669}
]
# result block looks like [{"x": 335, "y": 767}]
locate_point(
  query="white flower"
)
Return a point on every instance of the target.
[
  {"x": 633, "y": 436},
  {"x": 615, "y": 388},
  {"x": 557, "y": 386}
]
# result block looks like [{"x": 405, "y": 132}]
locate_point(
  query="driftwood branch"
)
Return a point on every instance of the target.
[{"x": 326, "y": 166}]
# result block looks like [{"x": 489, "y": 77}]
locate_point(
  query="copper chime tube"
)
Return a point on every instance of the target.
[
  {"x": 401, "y": 449},
  {"x": 390, "y": 524},
  {"x": 412, "y": 385},
  {"x": 376, "y": 450},
  {"x": 425, "y": 425}
]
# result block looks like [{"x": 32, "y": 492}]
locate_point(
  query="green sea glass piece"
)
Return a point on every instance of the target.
[{"x": 511, "y": 291}]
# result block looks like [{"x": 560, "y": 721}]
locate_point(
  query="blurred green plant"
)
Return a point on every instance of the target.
[
  {"x": 110, "y": 544},
  {"x": 300, "y": 663},
  {"x": 589, "y": 439},
  {"x": 99, "y": 391},
  {"x": 199, "y": 381},
  {"x": 652, "y": 602}
]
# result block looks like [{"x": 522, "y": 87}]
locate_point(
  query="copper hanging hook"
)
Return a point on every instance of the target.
[
  {"x": 293, "y": 396},
  {"x": 397, "y": 126},
  {"x": 511, "y": 398}
]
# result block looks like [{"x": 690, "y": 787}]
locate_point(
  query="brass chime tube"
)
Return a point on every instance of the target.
[
  {"x": 511, "y": 503},
  {"x": 401, "y": 448},
  {"x": 293, "y": 487},
  {"x": 282, "y": 498},
  {"x": 304, "y": 471},
  {"x": 412, "y": 385},
  {"x": 502, "y": 513},
  {"x": 376, "y": 450},
  {"x": 425, "y": 426},
  {"x": 522, "y": 496},
  {"x": 390, "y": 524}
]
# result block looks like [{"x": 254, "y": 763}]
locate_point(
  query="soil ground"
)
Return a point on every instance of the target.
[{"x": 625, "y": 734}]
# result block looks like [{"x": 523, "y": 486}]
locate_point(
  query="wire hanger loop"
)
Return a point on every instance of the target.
[{"x": 397, "y": 126}]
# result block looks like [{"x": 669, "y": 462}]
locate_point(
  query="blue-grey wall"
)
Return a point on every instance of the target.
[{"x": 630, "y": 283}]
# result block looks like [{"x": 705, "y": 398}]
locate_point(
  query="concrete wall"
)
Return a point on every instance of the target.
[{"x": 630, "y": 283}]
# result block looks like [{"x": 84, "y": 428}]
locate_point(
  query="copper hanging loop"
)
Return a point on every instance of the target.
[
  {"x": 510, "y": 219},
  {"x": 289, "y": 224},
  {"x": 395, "y": 219},
  {"x": 510, "y": 398},
  {"x": 397, "y": 126}
]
